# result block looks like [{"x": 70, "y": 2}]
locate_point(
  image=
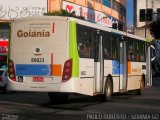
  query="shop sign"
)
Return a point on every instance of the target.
[
  {"x": 89, "y": 14},
  {"x": 3, "y": 47}
]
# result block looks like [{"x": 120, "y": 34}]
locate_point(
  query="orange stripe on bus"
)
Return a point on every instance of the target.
[
  {"x": 57, "y": 70},
  {"x": 129, "y": 67}
]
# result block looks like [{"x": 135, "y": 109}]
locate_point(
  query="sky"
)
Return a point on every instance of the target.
[{"x": 129, "y": 13}]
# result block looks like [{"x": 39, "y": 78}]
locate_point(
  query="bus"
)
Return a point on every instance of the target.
[
  {"x": 64, "y": 55},
  {"x": 155, "y": 53}
]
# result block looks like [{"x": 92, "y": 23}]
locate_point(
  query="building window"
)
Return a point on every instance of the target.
[
  {"x": 4, "y": 30},
  {"x": 119, "y": 8},
  {"x": 99, "y": 1},
  {"x": 4, "y": 34},
  {"x": 115, "y": 5},
  {"x": 107, "y": 3},
  {"x": 122, "y": 10}
]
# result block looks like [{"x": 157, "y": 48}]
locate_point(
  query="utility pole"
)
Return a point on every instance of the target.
[{"x": 146, "y": 19}]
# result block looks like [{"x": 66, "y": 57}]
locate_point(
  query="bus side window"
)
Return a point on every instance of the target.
[
  {"x": 136, "y": 51},
  {"x": 115, "y": 47},
  {"x": 107, "y": 45},
  {"x": 107, "y": 53},
  {"x": 142, "y": 51},
  {"x": 130, "y": 50},
  {"x": 81, "y": 49},
  {"x": 84, "y": 41},
  {"x": 139, "y": 51},
  {"x": 87, "y": 50}
]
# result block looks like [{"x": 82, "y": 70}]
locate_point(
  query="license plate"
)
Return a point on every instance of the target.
[{"x": 38, "y": 79}]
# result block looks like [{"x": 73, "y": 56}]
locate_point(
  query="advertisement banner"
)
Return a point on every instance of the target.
[
  {"x": 3, "y": 47},
  {"x": 89, "y": 14},
  {"x": 11, "y": 9}
]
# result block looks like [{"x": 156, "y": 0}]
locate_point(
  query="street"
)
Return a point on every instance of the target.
[
  {"x": 89, "y": 47},
  {"x": 37, "y": 106}
]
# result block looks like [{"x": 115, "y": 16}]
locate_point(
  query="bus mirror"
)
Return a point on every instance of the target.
[
  {"x": 143, "y": 67},
  {"x": 98, "y": 32},
  {"x": 153, "y": 53}
]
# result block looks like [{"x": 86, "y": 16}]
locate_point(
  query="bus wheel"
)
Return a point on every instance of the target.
[
  {"x": 4, "y": 89},
  {"x": 56, "y": 97},
  {"x": 142, "y": 84},
  {"x": 108, "y": 90}
]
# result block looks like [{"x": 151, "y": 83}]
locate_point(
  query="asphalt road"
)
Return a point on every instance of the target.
[{"x": 37, "y": 106}]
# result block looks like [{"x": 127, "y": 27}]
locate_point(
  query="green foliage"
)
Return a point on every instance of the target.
[
  {"x": 63, "y": 13},
  {"x": 55, "y": 13},
  {"x": 155, "y": 28}
]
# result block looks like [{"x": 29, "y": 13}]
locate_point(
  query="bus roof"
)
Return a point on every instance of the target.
[
  {"x": 136, "y": 37},
  {"x": 83, "y": 22}
]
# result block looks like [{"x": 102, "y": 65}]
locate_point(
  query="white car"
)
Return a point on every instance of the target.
[{"x": 3, "y": 80}]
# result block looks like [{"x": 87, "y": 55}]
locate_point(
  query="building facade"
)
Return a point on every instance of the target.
[
  {"x": 12, "y": 9},
  {"x": 141, "y": 28},
  {"x": 104, "y": 12}
]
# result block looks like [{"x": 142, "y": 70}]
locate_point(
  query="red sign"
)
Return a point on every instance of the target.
[
  {"x": 38, "y": 79},
  {"x": 89, "y": 14},
  {"x": 3, "y": 46}
]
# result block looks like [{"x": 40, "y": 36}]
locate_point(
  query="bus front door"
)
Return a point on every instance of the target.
[
  {"x": 98, "y": 63},
  {"x": 123, "y": 66}
]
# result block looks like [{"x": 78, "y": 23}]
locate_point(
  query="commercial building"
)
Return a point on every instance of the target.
[
  {"x": 141, "y": 28},
  {"x": 12, "y": 9},
  {"x": 104, "y": 12}
]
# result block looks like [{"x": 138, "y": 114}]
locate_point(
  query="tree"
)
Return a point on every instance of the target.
[
  {"x": 155, "y": 28},
  {"x": 63, "y": 13}
]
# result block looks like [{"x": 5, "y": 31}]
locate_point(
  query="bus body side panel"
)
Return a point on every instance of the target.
[
  {"x": 135, "y": 73},
  {"x": 78, "y": 85},
  {"x": 69, "y": 85},
  {"x": 82, "y": 71},
  {"x": 87, "y": 75},
  {"x": 109, "y": 69}
]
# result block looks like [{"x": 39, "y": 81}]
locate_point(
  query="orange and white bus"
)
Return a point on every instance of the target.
[{"x": 63, "y": 55}]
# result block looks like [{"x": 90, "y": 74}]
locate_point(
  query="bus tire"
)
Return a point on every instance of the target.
[
  {"x": 57, "y": 97},
  {"x": 4, "y": 89},
  {"x": 108, "y": 90},
  {"x": 142, "y": 85}
]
